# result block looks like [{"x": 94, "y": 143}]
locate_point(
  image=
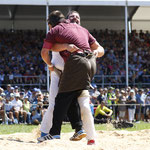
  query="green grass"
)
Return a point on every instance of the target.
[{"x": 9, "y": 129}]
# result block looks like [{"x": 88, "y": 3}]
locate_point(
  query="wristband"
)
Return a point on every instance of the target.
[{"x": 50, "y": 65}]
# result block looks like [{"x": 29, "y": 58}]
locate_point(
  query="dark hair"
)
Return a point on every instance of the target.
[
  {"x": 55, "y": 18},
  {"x": 71, "y": 12}
]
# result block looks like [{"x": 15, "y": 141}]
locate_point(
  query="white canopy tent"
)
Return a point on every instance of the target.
[
  {"x": 141, "y": 19},
  {"x": 99, "y": 14},
  {"x": 77, "y": 2},
  {"x": 28, "y": 14}
]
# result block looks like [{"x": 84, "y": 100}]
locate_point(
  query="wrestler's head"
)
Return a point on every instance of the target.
[
  {"x": 55, "y": 18},
  {"x": 73, "y": 16}
]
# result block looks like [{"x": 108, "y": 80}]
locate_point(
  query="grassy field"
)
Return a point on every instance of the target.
[{"x": 9, "y": 129}]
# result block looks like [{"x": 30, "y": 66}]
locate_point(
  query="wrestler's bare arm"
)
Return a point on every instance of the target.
[
  {"x": 61, "y": 47},
  {"x": 97, "y": 49},
  {"x": 46, "y": 58},
  {"x": 57, "y": 48}
]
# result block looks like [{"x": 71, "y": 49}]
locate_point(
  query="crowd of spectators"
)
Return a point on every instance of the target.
[
  {"x": 22, "y": 105},
  {"x": 20, "y": 57},
  {"x": 27, "y": 106},
  {"x": 113, "y": 63},
  {"x": 127, "y": 104}
]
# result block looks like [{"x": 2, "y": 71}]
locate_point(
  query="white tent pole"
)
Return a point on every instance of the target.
[
  {"x": 129, "y": 25},
  {"x": 47, "y": 28},
  {"x": 126, "y": 42}
]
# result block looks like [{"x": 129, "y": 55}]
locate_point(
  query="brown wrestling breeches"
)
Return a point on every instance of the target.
[{"x": 78, "y": 72}]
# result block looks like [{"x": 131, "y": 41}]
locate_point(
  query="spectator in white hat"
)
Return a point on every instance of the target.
[{"x": 17, "y": 107}]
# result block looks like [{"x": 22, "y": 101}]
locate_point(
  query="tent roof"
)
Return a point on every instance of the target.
[
  {"x": 89, "y": 9},
  {"x": 22, "y": 12},
  {"x": 77, "y": 2}
]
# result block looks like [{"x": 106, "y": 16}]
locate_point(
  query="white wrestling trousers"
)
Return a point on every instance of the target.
[
  {"x": 86, "y": 116},
  {"x": 58, "y": 62},
  {"x": 46, "y": 123}
]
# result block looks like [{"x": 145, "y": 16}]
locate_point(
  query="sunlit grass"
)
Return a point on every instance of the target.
[{"x": 9, "y": 129}]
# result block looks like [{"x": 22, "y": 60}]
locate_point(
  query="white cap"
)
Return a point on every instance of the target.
[
  {"x": 17, "y": 95},
  {"x": 12, "y": 95}
]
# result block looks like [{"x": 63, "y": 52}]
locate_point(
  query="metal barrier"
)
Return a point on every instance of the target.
[
  {"x": 119, "y": 81},
  {"x": 27, "y": 81},
  {"x": 112, "y": 105},
  {"x": 101, "y": 80}
]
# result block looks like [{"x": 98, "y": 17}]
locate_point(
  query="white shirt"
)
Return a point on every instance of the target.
[
  {"x": 57, "y": 61},
  {"x": 8, "y": 106},
  {"x": 17, "y": 104}
]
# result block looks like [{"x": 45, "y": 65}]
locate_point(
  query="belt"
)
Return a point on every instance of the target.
[{"x": 83, "y": 54}]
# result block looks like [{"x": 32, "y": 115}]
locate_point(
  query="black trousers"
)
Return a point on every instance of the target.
[
  {"x": 74, "y": 115},
  {"x": 64, "y": 103}
]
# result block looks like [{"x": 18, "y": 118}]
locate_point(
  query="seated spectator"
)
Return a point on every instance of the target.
[
  {"x": 1, "y": 91},
  {"x": 22, "y": 94},
  {"x": 12, "y": 89},
  {"x": 9, "y": 113},
  {"x": 26, "y": 110},
  {"x": 33, "y": 95},
  {"x": 12, "y": 97},
  {"x": 16, "y": 89},
  {"x": 45, "y": 101},
  {"x": 102, "y": 113},
  {"x": 17, "y": 108},
  {"x": 39, "y": 98},
  {"x": 37, "y": 114},
  {"x": 3, "y": 95}
]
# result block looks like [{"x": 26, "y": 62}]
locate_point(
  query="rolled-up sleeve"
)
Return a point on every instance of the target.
[{"x": 50, "y": 39}]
